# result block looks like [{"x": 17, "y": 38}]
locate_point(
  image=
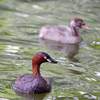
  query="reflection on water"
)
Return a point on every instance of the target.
[
  {"x": 20, "y": 21},
  {"x": 32, "y": 97},
  {"x": 69, "y": 50}
]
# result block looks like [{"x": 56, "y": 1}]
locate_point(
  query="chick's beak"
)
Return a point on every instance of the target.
[{"x": 85, "y": 26}]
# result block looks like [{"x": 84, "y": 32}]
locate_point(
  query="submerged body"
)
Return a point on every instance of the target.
[
  {"x": 28, "y": 84},
  {"x": 63, "y": 34},
  {"x": 34, "y": 83}
]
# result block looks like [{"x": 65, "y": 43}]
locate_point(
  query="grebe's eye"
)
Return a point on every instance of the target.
[
  {"x": 83, "y": 23},
  {"x": 47, "y": 59}
]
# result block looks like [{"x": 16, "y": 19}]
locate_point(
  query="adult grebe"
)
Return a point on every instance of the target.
[{"x": 34, "y": 83}]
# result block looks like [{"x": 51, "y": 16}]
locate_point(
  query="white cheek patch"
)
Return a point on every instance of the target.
[{"x": 47, "y": 59}]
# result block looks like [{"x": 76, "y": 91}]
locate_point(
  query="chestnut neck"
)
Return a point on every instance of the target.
[{"x": 36, "y": 69}]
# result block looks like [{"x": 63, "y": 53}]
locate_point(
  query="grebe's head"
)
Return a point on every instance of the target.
[
  {"x": 78, "y": 23},
  {"x": 42, "y": 57}
]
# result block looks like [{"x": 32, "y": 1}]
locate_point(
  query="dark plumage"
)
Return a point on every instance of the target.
[{"x": 34, "y": 83}]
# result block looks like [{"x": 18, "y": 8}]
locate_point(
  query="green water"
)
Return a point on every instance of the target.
[{"x": 20, "y": 21}]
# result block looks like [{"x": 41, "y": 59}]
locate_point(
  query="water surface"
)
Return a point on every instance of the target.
[{"x": 20, "y": 21}]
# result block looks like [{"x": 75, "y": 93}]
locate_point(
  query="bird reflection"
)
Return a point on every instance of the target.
[
  {"x": 32, "y": 96},
  {"x": 69, "y": 50}
]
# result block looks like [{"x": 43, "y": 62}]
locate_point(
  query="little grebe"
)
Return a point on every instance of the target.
[
  {"x": 64, "y": 34},
  {"x": 34, "y": 83}
]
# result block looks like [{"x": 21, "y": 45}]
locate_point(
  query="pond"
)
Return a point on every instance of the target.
[{"x": 20, "y": 21}]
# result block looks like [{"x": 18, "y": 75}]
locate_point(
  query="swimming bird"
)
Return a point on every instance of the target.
[
  {"x": 64, "y": 34},
  {"x": 34, "y": 83}
]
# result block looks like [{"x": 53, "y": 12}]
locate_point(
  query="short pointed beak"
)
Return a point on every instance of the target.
[
  {"x": 51, "y": 60},
  {"x": 85, "y": 27}
]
